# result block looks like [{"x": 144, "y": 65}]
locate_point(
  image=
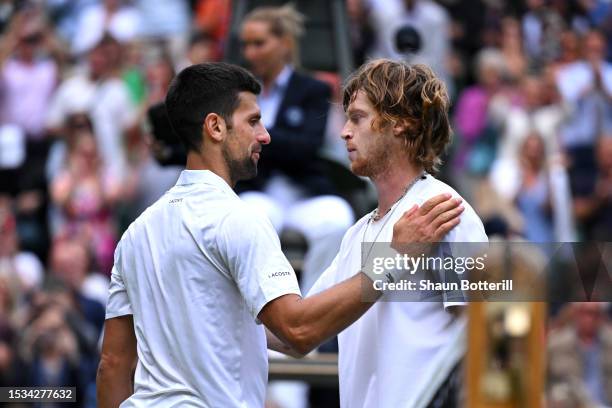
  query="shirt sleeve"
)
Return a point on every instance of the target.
[
  {"x": 118, "y": 303},
  {"x": 252, "y": 252}
]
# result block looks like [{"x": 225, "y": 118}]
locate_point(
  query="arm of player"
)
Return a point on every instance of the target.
[
  {"x": 276, "y": 344},
  {"x": 114, "y": 380},
  {"x": 304, "y": 323}
]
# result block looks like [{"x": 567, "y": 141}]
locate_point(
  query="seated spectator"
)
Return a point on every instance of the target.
[
  {"x": 593, "y": 202},
  {"x": 291, "y": 188}
]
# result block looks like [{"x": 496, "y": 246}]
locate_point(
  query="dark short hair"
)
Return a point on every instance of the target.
[{"x": 200, "y": 89}]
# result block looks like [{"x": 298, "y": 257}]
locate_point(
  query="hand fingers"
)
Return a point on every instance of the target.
[
  {"x": 444, "y": 228},
  {"x": 447, "y": 216},
  {"x": 408, "y": 213},
  {"x": 442, "y": 208},
  {"x": 432, "y": 202}
]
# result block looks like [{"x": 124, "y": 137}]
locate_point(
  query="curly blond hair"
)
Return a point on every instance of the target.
[{"x": 410, "y": 96}]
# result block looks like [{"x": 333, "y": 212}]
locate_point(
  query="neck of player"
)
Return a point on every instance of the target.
[
  {"x": 197, "y": 161},
  {"x": 391, "y": 183}
]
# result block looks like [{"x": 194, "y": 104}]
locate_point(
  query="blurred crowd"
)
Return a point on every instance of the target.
[{"x": 531, "y": 89}]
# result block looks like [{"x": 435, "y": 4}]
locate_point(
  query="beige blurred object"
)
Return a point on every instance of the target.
[{"x": 488, "y": 203}]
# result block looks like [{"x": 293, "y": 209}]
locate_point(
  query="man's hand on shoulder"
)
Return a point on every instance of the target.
[{"x": 427, "y": 223}]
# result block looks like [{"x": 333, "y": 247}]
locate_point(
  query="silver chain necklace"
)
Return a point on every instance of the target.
[{"x": 375, "y": 215}]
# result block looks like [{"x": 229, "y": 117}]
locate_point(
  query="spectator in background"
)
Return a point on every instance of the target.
[
  {"x": 23, "y": 265},
  {"x": 476, "y": 133},
  {"x": 430, "y": 20},
  {"x": 57, "y": 345},
  {"x": 593, "y": 202},
  {"x": 526, "y": 117},
  {"x": 534, "y": 197},
  {"x": 105, "y": 98},
  {"x": 149, "y": 179},
  {"x": 586, "y": 88},
  {"x": 108, "y": 16},
  {"x": 202, "y": 48},
  {"x": 213, "y": 17},
  {"x": 541, "y": 27},
  {"x": 50, "y": 351},
  {"x": 291, "y": 187},
  {"x": 569, "y": 50},
  {"x": 86, "y": 193},
  {"x": 512, "y": 48},
  {"x": 65, "y": 15},
  {"x": 28, "y": 76},
  {"x": 580, "y": 363},
  {"x": 70, "y": 264},
  {"x": 166, "y": 21}
]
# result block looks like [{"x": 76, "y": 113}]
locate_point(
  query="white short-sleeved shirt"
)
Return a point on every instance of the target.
[
  {"x": 195, "y": 269},
  {"x": 398, "y": 353}
]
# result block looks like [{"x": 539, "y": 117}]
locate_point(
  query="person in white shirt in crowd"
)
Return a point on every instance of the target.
[
  {"x": 105, "y": 98},
  {"x": 116, "y": 17},
  {"x": 292, "y": 187},
  {"x": 399, "y": 354},
  {"x": 199, "y": 271},
  {"x": 430, "y": 20},
  {"x": 167, "y": 21}
]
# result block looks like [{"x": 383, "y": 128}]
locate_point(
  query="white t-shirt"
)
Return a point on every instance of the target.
[
  {"x": 398, "y": 353},
  {"x": 195, "y": 269}
]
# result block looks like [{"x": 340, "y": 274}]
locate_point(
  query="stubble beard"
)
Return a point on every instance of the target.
[
  {"x": 239, "y": 169},
  {"x": 376, "y": 163}
]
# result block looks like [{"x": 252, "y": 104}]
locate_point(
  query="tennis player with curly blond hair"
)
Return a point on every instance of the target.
[{"x": 399, "y": 354}]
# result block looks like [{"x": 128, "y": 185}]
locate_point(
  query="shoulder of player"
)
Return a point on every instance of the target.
[
  {"x": 242, "y": 218},
  {"x": 433, "y": 187}
]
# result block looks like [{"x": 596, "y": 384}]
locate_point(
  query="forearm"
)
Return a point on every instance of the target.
[
  {"x": 276, "y": 344},
  {"x": 313, "y": 320},
  {"x": 114, "y": 384}
]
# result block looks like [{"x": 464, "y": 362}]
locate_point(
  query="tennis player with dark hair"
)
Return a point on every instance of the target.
[{"x": 199, "y": 270}]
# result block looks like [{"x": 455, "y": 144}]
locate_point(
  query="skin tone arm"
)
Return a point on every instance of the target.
[
  {"x": 304, "y": 323},
  {"x": 114, "y": 380}
]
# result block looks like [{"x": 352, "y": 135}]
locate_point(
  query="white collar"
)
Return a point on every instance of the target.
[{"x": 203, "y": 177}]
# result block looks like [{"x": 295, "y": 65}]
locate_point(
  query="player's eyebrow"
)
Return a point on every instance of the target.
[{"x": 353, "y": 111}]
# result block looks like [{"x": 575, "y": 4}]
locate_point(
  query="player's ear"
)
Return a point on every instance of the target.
[
  {"x": 215, "y": 127},
  {"x": 400, "y": 127}
]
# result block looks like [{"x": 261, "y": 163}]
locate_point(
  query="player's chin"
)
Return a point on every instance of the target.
[{"x": 359, "y": 168}]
